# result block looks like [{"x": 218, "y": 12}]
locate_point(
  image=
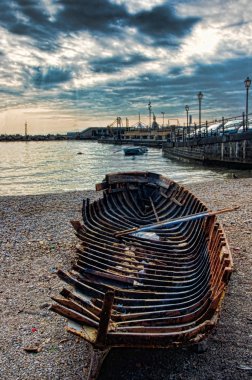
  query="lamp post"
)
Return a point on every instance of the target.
[
  {"x": 187, "y": 120},
  {"x": 200, "y": 96},
  {"x": 163, "y": 117},
  {"x": 247, "y": 83}
]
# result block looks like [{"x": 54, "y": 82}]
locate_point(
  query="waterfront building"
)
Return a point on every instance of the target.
[{"x": 92, "y": 133}]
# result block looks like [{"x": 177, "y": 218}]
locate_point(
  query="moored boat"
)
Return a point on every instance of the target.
[
  {"x": 135, "y": 150},
  {"x": 152, "y": 268}
]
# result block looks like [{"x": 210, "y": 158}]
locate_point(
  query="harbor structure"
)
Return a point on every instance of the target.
[
  {"x": 225, "y": 142},
  {"x": 92, "y": 133},
  {"x": 231, "y": 150}
]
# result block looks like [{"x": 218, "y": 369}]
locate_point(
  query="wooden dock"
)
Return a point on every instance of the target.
[{"x": 233, "y": 150}]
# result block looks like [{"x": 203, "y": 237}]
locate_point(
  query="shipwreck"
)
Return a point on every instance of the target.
[{"x": 151, "y": 270}]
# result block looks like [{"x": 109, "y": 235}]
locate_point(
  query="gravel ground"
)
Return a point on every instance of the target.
[{"x": 36, "y": 238}]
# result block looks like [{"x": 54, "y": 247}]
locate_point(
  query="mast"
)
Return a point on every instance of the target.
[{"x": 149, "y": 107}]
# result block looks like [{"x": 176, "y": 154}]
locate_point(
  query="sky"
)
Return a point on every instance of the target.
[{"x": 71, "y": 64}]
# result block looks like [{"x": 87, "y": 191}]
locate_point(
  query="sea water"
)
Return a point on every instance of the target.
[{"x": 58, "y": 166}]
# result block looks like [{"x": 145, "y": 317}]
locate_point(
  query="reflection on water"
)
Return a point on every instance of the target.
[{"x": 56, "y": 166}]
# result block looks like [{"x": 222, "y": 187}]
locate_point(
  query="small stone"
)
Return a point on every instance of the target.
[{"x": 44, "y": 305}]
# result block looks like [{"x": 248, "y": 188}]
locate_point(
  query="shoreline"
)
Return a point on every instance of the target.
[
  {"x": 192, "y": 186},
  {"x": 36, "y": 238}
]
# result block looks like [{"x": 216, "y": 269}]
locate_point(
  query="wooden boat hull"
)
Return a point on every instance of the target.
[{"x": 164, "y": 289}]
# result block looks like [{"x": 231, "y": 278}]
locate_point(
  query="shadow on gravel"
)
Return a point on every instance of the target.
[{"x": 154, "y": 364}]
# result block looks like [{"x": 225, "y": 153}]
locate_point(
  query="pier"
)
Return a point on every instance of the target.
[
  {"x": 225, "y": 142},
  {"x": 227, "y": 150}
]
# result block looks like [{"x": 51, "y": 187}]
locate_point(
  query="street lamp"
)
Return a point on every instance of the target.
[
  {"x": 200, "y": 96},
  {"x": 247, "y": 83},
  {"x": 163, "y": 117},
  {"x": 187, "y": 121}
]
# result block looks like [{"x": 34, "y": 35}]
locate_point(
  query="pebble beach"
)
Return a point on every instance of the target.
[{"x": 36, "y": 239}]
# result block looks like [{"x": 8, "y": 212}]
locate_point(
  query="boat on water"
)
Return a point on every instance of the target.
[
  {"x": 135, "y": 150},
  {"x": 152, "y": 267}
]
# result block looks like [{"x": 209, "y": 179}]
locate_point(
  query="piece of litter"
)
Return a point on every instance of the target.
[
  {"x": 244, "y": 367},
  {"x": 146, "y": 235},
  {"x": 35, "y": 348}
]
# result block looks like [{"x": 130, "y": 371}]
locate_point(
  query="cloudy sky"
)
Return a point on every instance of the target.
[{"x": 70, "y": 64}]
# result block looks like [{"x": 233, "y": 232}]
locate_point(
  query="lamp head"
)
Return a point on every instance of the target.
[
  {"x": 247, "y": 82},
  {"x": 187, "y": 108},
  {"x": 200, "y": 95}
]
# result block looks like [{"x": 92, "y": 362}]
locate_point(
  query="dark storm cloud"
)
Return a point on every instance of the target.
[
  {"x": 93, "y": 15},
  {"x": 33, "y": 10},
  {"x": 51, "y": 77},
  {"x": 100, "y": 17},
  {"x": 116, "y": 63},
  {"x": 161, "y": 23},
  {"x": 29, "y": 18}
]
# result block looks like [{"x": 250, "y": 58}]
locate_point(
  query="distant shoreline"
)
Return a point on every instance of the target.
[
  {"x": 11, "y": 138},
  {"x": 49, "y": 137}
]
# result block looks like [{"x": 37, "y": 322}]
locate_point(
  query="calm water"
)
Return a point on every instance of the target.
[{"x": 46, "y": 167}]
